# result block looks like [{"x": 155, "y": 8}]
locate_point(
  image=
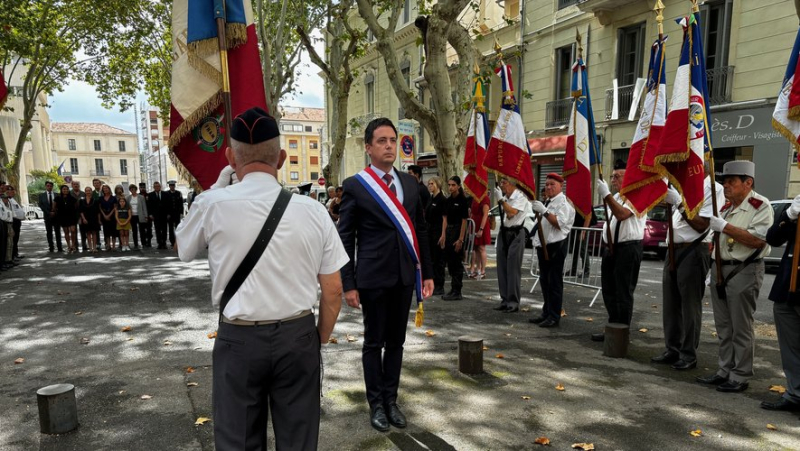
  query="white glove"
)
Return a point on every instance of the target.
[
  {"x": 717, "y": 223},
  {"x": 794, "y": 209},
  {"x": 227, "y": 176},
  {"x": 498, "y": 194},
  {"x": 538, "y": 207},
  {"x": 602, "y": 188},
  {"x": 673, "y": 196}
]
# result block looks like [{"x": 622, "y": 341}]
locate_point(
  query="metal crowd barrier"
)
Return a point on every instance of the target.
[
  {"x": 582, "y": 265},
  {"x": 469, "y": 243}
]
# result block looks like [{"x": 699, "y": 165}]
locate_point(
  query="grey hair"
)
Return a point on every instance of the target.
[{"x": 267, "y": 152}]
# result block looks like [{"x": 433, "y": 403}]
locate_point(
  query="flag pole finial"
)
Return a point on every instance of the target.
[
  {"x": 578, "y": 40},
  {"x": 476, "y": 68},
  {"x": 659, "y": 9},
  {"x": 497, "y": 48},
  {"x": 695, "y": 8}
]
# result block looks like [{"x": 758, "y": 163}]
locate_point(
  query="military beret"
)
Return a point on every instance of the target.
[
  {"x": 555, "y": 177},
  {"x": 254, "y": 126},
  {"x": 619, "y": 164}
]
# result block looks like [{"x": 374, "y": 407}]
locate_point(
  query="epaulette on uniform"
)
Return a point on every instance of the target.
[
  {"x": 726, "y": 206},
  {"x": 757, "y": 203}
]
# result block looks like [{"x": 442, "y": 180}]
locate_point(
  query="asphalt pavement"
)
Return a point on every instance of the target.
[{"x": 146, "y": 387}]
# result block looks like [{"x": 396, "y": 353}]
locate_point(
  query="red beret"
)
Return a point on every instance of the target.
[{"x": 555, "y": 177}]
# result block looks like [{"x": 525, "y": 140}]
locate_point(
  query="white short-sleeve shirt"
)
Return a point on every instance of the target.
[
  {"x": 631, "y": 229},
  {"x": 681, "y": 230},
  {"x": 284, "y": 281},
  {"x": 565, "y": 215}
]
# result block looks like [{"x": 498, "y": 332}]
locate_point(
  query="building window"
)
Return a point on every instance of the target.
[
  {"x": 313, "y": 160},
  {"x": 98, "y": 166},
  {"x": 369, "y": 87},
  {"x": 406, "y": 12},
  {"x": 294, "y": 175},
  {"x": 73, "y": 166},
  {"x": 122, "y": 146},
  {"x": 313, "y": 145},
  {"x": 630, "y": 54},
  {"x": 309, "y": 128},
  {"x": 565, "y": 57},
  {"x": 97, "y": 145},
  {"x": 564, "y": 3},
  {"x": 511, "y": 10},
  {"x": 314, "y": 175},
  {"x": 293, "y": 159},
  {"x": 71, "y": 144},
  {"x": 715, "y": 20},
  {"x": 154, "y": 121},
  {"x": 293, "y": 144}
]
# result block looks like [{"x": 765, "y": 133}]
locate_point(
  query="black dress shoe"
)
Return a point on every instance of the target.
[
  {"x": 782, "y": 404},
  {"x": 378, "y": 419},
  {"x": 683, "y": 365},
  {"x": 732, "y": 387},
  {"x": 536, "y": 320},
  {"x": 667, "y": 358},
  {"x": 396, "y": 417},
  {"x": 548, "y": 323},
  {"x": 452, "y": 297},
  {"x": 438, "y": 291},
  {"x": 500, "y": 307},
  {"x": 598, "y": 337},
  {"x": 511, "y": 309},
  {"x": 713, "y": 379}
]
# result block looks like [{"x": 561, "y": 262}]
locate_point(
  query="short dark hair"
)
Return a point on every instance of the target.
[
  {"x": 417, "y": 170},
  {"x": 49, "y": 182},
  {"x": 374, "y": 125}
]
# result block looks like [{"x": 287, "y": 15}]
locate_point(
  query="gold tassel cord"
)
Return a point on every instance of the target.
[{"x": 419, "y": 317}]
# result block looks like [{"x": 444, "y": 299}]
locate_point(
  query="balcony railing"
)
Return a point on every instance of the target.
[
  {"x": 625, "y": 99},
  {"x": 557, "y": 113},
  {"x": 564, "y": 3},
  {"x": 100, "y": 173},
  {"x": 720, "y": 85}
]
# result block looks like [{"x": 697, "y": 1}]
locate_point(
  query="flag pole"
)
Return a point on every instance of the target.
[{"x": 220, "y": 17}]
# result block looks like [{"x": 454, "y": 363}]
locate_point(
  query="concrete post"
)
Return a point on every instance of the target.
[
  {"x": 470, "y": 355},
  {"x": 617, "y": 337},
  {"x": 58, "y": 409}
]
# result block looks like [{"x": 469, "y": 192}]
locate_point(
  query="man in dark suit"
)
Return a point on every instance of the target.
[
  {"x": 158, "y": 208},
  {"x": 50, "y": 224},
  {"x": 383, "y": 279},
  {"x": 175, "y": 210},
  {"x": 145, "y": 228}
]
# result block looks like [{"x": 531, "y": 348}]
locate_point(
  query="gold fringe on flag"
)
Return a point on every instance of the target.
[
  {"x": 419, "y": 317},
  {"x": 789, "y": 137},
  {"x": 193, "y": 119}
]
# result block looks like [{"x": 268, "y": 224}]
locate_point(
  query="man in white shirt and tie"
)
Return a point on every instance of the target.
[{"x": 50, "y": 225}]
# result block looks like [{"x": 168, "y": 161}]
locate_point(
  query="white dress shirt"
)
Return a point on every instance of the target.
[
  {"x": 284, "y": 281},
  {"x": 631, "y": 229},
  {"x": 6, "y": 212},
  {"x": 682, "y": 232},
  {"x": 565, "y": 214},
  {"x": 395, "y": 181},
  {"x": 519, "y": 202}
]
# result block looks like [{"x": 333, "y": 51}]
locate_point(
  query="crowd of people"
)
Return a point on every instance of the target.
[
  {"x": 11, "y": 215},
  {"x": 98, "y": 219}
]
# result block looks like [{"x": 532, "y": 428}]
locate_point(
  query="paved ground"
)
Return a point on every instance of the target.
[{"x": 54, "y": 301}]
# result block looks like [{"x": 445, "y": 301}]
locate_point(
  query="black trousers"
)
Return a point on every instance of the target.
[
  {"x": 51, "y": 226},
  {"x": 620, "y": 273},
  {"x": 385, "y": 313},
  {"x": 146, "y": 232},
  {"x": 134, "y": 231},
  {"x": 437, "y": 258},
  {"x": 82, "y": 232},
  {"x": 579, "y": 251},
  {"x": 551, "y": 275},
  {"x": 453, "y": 258},
  {"x": 161, "y": 231},
  {"x": 17, "y": 225},
  {"x": 172, "y": 224},
  {"x": 261, "y": 369},
  {"x": 3, "y": 242}
]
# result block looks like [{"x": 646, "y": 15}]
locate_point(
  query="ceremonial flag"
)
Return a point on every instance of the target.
[
  {"x": 476, "y": 180},
  {"x": 786, "y": 117},
  {"x": 60, "y": 169},
  {"x": 197, "y": 111},
  {"x": 508, "y": 154},
  {"x": 686, "y": 135},
  {"x": 3, "y": 90},
  {"x": 644, "y": 187},
  {"x": 581, "y": 153}
]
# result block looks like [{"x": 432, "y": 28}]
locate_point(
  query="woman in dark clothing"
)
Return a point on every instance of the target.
[
  {"x": 433, "y": 216},
  {"x": 454, "y": 226},
  {"x": 89, "y": 209},
  {"x": 108, "y": 205},
  {"x": 65, "y": 209}
]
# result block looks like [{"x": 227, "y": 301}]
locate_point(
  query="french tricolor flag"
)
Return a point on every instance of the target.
[
  {"x": 476, "y": 178},
  {"x": 686, "y": 135},
  {"x": 581, "y": 153},
  {"x": 643, "y": 185},
  {"x": 786, "y": 117}
]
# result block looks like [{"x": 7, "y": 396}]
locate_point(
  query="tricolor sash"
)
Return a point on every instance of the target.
[{"x": 398, "y": 215}]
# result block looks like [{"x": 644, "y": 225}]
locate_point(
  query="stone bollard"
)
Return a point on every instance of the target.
[
  {"x": 470, "y": 355},
  {"x": 617, "y": 337},
  {"x": 58, "y": 409}
]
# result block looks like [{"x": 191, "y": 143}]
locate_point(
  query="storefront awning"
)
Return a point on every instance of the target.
[{"x": 548, "y": 145}]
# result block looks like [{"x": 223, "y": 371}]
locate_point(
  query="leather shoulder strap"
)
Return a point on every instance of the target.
[{"x": 257, "y": 250}]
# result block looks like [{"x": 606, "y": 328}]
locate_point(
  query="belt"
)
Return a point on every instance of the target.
[
  {"x": 682, "y": 245},
  {"x": 511, "y": 229},
  {"x": 736, "y": 262},
  {"x": 242, "y": 322},
  {"x": 628, "y": 243}
]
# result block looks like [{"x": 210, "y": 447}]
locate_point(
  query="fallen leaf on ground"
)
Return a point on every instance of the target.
[
  {"x": 167, "y": 342},
  {"x": 500, "y": 356},
  {"x": 696, "y": 433},
  {"x": 85, "y": 340},
  {"x": 713, "y": 334},
  {"x": 192, "y": 384},
  {"x": 589, "y": 320},
  {"x": 777, "y": 389},
  {"x": 654, "y": 306},
  {"x": 560, "y": 387},
  {"x": 19, "y": 360},
  {"x": 526, "y": 398},
  {"x": 212, "y": 334},
  {"x": 525, "y": 309},
  {"x": 706, "y": 303},
  {"x": 542, "y": 441},
  {"x": 771, "y": 427},
  {"x": 333, "y": 340},
  {"x": 201, "y": 420},
  {"x": 145, "y": 397},
  {"x": 122, "y": 392},
  {"x": 78, "y": 313},
  {"x": 351, "y": 338},
  {"x": 189, "y": 369},
  {"x": 583, "y": 446},
  {"x": 508, "y": 335},
  {"x": 126, "y": 329},
  {"x": 563, "y": 312},
  {"x": 485, "y": 348},
  {"x": 643, "y": 330},
  {"x": 134, "y": 289},
  {"x": 430, "y": 333}
]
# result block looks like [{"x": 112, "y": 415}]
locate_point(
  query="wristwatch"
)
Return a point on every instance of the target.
[{"x": 546, "y": 214}]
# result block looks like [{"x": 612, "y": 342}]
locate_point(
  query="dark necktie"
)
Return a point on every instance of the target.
[
  {"x": 50, "y": 198},
  {"x": 388, "y": 178}
]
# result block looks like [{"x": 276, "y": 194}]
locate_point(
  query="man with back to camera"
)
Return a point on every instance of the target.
[
  {"x": 416, "y": 171},
  {"x": 266, "y": 356},
  {"x": 380, "y": 209}
]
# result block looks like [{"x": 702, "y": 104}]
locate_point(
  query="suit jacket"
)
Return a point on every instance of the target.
[
  {"x": 378, "y": 256},
  {"x": 158, "y": 208},
  {"x": 45, "y": 205},
  {"x": 141, "y": 207},
  {"x": 782, "y": 231},
  {"x": 175, "y": 204}
]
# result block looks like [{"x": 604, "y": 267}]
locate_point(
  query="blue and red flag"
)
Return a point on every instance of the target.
[
  {"x": 197, "y": 113},
  {"x": 476, "y": 179},
  {"x": 581, "y": 153},
  {"x": 686, "y": 135},
  {"x": 643, "y": 186},
  {"x": 786, "y": 116},
  {"x": 508, "y": 154}
]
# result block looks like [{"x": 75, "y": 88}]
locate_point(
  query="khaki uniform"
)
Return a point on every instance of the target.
[{"x": 733, "y": 316}]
